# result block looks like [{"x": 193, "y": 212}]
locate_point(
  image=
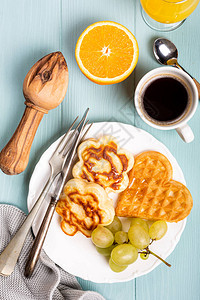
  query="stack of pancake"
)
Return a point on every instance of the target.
[
  {"x": 145, "y": 187},
  {"x": 102, "y": 168}
]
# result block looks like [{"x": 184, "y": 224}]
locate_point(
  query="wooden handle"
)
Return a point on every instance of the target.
[
  {"x": 15, "y": 155},
  {"x": 197, "y": 85},
  {"x": 44, "y": 88}
]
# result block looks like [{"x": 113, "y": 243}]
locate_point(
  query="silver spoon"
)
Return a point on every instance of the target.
[{"x": 166, "y": 53}]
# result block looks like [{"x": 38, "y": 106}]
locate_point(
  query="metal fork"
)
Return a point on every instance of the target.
[
  {"x": 10, "y": 254},
  {"x": 42, "y": 232}
]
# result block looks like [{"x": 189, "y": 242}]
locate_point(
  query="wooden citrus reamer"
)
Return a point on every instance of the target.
[{"x": 44, "y": 88}]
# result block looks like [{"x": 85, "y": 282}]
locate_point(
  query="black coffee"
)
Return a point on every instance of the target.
[{"x": 165, "y": 99}]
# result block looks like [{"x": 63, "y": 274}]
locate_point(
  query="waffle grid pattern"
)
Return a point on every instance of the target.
[{"x": 152, "y": 194}]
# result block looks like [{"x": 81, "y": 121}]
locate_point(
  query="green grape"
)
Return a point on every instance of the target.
[
  {"x": 102, "y": 237},
  {"x": 158, "y": 230},
  {"x": 115, "y": 226},
  {"x": 121, "y": 237},
  {"x": 124, "y": 254},
  {"x": 106, "y": 251},
  {"x": 116, "y": 268},
  {"x": 138, "y": 236},
  {"x": 140, "y": 222},
  {"x": 144, "y": 255}
]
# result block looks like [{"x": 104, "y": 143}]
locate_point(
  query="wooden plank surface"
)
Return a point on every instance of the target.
[
  {"x": 106, "y": 102},
  {"x": 31, "y": 29},
  {"x": 180, "y": 282}
]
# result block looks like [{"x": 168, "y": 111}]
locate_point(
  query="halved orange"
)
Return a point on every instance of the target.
[{"x": 107, "y": 52}]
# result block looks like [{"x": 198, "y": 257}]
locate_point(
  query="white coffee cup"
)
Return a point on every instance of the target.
[{"x": 180, "y": 125}]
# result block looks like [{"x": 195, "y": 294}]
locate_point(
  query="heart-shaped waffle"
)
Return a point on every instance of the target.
[{"x": 152, "y": 194}]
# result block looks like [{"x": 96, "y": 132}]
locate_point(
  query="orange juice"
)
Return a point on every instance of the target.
[{"x": 169, "y": 11}]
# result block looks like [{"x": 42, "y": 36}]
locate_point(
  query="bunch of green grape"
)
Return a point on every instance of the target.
[{"x": 122, "y": 247}]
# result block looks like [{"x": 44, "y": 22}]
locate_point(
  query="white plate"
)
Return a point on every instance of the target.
[{"x": 77, "y": 254}]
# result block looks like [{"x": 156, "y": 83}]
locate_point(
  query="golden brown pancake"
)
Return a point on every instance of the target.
[
  {"x": 83, "y": 205},
  {"x": 104, "y": 162}
]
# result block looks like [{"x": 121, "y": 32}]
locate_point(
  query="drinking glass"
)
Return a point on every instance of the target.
[{"x": 167, "y": 15}]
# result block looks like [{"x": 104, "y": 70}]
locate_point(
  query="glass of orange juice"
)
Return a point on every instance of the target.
[{"x": 166, "y": 15}]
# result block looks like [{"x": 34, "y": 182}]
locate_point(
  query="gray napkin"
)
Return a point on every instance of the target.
[{"x": 48, "y": 281}]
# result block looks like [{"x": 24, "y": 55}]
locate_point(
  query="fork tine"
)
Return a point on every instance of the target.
[
  {"x": 86, "y": 123},
  {"x": 80, "y": 129},
  {"x": 86, "y": 130},
  {"x": 70, "y": 155},
  {"x": 65, "y": 141},
  {"x": 84, "y": 118},
  {"x": 67, "y": 137},
  {"x": 66, "y": 151},
  {"x": 82, "y": 137},
  {"x": 69, "y": 141},
  {"x": 60, "y": 145}
]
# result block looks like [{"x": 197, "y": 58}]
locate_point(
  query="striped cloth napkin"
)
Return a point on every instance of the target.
[{"x": 48, "y": 281}]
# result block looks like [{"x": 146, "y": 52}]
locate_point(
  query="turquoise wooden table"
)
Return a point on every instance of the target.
[{"x": 30, "y": 30}]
